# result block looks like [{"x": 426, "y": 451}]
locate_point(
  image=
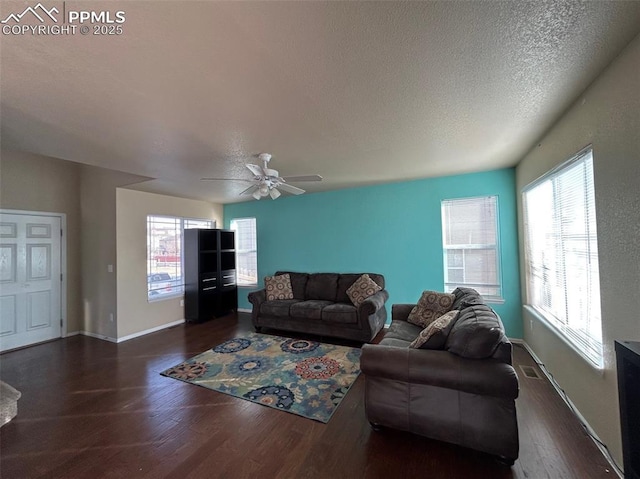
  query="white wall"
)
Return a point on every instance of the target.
[
  {"x": 607, "y": 115},
  {"x": 135, "y": 314}
]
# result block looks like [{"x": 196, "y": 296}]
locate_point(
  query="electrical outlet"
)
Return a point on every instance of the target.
[
  {"x": 109, "y": 268},
  {"x": 111, "y": 317},
  {"x": 531, "y": 324},
  {"x": 182, "y": 302}
]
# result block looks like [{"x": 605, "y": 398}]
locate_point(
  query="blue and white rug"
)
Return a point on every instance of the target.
[{"x": 299, "y": 376}]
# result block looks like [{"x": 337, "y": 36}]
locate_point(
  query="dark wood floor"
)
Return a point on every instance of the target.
[{"x": 93, "y": 409}]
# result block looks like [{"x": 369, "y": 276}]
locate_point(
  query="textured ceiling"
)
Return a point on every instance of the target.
[{"x": 358, "y": 92}]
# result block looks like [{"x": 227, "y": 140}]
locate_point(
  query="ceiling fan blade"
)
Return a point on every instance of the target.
[
  {"x": 293, "y": 179},
  {"x": 255, "y": 169},
  {"x": 290, "y": 189},
  {"x": 275, "y": 194},
  {"x": 250, "y": 190},
  {"x": 224, "y": 179}
]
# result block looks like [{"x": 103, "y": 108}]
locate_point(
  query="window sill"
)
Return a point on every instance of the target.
[
  {"x": 165, "y": 297},
  {"x": 248, "y": 285},
  {"x": 494, "y": 300},
  {"x": 547, "y": 324}
]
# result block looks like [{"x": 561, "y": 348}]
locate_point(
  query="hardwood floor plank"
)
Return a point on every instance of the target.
[{"x": 95, "y": 409}]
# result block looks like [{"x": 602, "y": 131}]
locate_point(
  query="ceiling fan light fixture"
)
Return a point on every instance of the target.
[
  {"x": 256, "y": 194},
  {"x": 275, "y": 194},
  {"x": 263, "y": 190}
]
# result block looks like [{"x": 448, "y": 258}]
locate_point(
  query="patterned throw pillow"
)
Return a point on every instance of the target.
[
  {"x": 363, "y": 287},
  {"x": 435, "y": 335},
  {"x": 278, "y": 287},
  {"x": 431, "y": 306}
]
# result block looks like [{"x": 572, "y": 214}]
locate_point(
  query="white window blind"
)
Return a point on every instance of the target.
[
  {"x": 246, "y": 251},
  {"x": 164, "y": 254},
  {"x": 471, "y": 247},
  {"x": 561, "y": 253}
]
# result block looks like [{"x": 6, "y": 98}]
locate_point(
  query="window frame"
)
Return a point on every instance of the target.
[
  {"x": 586, "y": 346},
  {"x": 496, "y": 247},
  {"x": 183, "y": 224},
  {"x": 240, "y": 282}
]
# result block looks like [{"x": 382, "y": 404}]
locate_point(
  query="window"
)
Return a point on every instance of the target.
[
  {"x": 561, "y": 254},
  {"x": 246, "y": 251},
  {"x": 470, "y": 243},
  {"x": 164, "y": 254}
]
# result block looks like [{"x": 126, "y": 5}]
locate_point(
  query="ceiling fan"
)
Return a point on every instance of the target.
[{"x": 268, "y": 182}]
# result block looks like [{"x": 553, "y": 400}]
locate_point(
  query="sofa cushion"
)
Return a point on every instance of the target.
[
  {"x": 308, "y": 309},
  {"x": 435, "y": 335},
  {"x": 346, "y": 280},
  {"x": 431, "y": 306},
  {"x": 278, "y": 287},
  {"x": 363, "y": 287},
  {"x": 278, "y": 307},
  {"x": 401, "y": 330},
  {"x": 322, "y": 286},
  {"x": 476, "y": 333},
  {"x": 298, "y": 283},
  {"x": 340, "y": 313},
  {"x": 466, "y": 297}
]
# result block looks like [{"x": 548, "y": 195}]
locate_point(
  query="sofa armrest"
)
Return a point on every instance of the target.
[
  {"x": 400, "y": 312},
  {"x": 373, "y": 303},
  {"x": 487, "y": 377},
  {"x": 256, "y": 298}
]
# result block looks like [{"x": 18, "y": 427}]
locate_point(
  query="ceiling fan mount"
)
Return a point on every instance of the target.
[{"x": 268, "y": 182}]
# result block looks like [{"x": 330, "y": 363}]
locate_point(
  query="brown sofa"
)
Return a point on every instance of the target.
[
  {"x": 321, "y": 306},
  {"x": 463, "y": 394}
]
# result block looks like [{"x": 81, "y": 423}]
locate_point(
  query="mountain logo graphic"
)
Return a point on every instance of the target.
[{"x": 34, "y": 11}]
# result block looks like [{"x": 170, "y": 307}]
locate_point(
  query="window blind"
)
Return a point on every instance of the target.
[
  {"x": 561, "y": 253},
  {"x": 246, "y": 251},
  {"x": 470, "y": 244}
]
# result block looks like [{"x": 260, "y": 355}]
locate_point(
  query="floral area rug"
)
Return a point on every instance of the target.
[{"x": 302, "y": 377}]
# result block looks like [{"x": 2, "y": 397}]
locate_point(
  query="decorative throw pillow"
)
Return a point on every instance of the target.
[
  {"x": 278, "y": 287},
  {"x": 363, "y": 287},
  {"x": 431, "y": 306},
  {"x": 435, "y": 335}
]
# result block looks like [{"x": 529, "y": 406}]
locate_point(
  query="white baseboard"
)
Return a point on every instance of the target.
[
  {"x": 129, "y": 336},
  {"x": 98, "y": 336},
  {"x": 72, "y": 333},
  {"x": 151, "y": 330},
  {"x": 243, "y": 310},
  {"x": 598, "y": 442}
]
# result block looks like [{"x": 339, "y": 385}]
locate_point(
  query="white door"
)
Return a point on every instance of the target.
[{"x": 30, "y": 279}]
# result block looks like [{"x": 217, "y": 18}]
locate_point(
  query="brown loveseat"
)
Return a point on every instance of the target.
[
  {"x": 320, "y": 305},
  {"x": 463, "y": 394}
]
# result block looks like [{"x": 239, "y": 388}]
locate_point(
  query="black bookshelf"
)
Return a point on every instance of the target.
[
  {"x": 628, "y": 359},
  {"x": 210, "y": 274}
]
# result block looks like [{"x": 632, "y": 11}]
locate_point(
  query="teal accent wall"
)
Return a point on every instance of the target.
[{"x": 394, "y": 229}]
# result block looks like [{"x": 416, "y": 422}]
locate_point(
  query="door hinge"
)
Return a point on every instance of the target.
[
  {"x": 60, "y": 276},
  {"x": 60, "y": 231},
  {"x": 60, "y": 322}
]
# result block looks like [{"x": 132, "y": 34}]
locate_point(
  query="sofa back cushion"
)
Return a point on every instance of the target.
[
  {"x": 466, "y": 297},
  {"x": 298, "y": 283},
  {"x": 346, "y": 280},
  {"x": 476, "y": 334},
  {"x": 323, "y": 286}
]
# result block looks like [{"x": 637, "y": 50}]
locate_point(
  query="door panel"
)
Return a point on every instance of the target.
[
  {"x": 8, "y": 315},
  {"x": 30, "y": 281}
]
